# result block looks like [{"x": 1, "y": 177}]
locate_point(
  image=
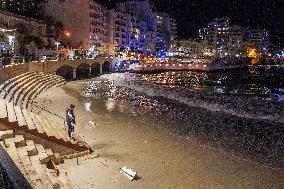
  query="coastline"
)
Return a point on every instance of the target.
[
  {"x": 161, "y": 160},
  {"x": 142, "y": 69}
]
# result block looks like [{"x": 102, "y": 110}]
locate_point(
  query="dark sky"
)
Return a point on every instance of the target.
[{"x": 194, "y": 14}]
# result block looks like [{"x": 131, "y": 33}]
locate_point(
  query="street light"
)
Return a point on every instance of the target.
[
  {"x": 67, "y": 34},
  {"x": 57, "y": 45}
]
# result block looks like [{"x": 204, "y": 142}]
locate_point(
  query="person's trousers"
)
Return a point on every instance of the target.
[{"x": 70, "y": 130}]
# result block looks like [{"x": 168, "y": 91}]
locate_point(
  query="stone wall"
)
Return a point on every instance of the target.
[{"x": 47, "y": 67}]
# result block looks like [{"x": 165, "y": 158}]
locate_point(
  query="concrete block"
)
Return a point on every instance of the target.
[
  {"x": 19, "y": 141},
  {"x": 6, "y": 134}
]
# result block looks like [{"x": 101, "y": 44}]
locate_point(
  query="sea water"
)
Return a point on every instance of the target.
[{"x": 240, "y": 110}]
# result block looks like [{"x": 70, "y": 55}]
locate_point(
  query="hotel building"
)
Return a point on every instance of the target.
[
  {"x": 132, "y": 25},
  {"x": 84, "y": 21},
  {"x": 259, "y": 38},
  {"x": 166, "y": 32}
]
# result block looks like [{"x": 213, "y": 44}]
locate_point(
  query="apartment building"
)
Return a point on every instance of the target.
[
  {"x": 131, "y": 25},
  {"x": 142, "y": 16},
  {"x": 166, "y": 32},
  {"x": 84, "y": 21},
  {"x": 259, "y": 38}
]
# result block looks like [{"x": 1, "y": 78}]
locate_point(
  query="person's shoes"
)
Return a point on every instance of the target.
[{"x": 73, "y": 139}]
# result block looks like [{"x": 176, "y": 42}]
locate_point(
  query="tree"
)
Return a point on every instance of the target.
[
  {"x": 54, "y": 28},
  {"x": 28, "y": 44}
]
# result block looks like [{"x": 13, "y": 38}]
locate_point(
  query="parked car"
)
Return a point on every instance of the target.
[
  {"x": 5, "y": 59},
  {"x": 18, "y": 58},
  {"x": 48, "y": 58}
]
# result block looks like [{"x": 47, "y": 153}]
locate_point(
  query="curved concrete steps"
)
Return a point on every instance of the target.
[
  {"x": 10, "y": 91},
  {"x": 29, "y": 85},
  {"x": 25, "y": 100},
  {"x": 24, "y": 85},
  {"x": 5, "y": 89},
  {"x": 33, "y": 160},
  {"x": 6, "y": 83},
  {"x": 24, "y": 120},
  {"x": 15, "y": 114}
]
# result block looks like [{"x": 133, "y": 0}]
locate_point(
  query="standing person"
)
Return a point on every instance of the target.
[{"x": 70, "y": 119}]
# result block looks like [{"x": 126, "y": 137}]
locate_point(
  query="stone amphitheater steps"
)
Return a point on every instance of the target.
[
  {"x": 17, "y": 117},
  {"x": 20, "y": 116},
  {"x": 20, "y": 85},
  {"x": 30, "y": 124},
  {"x": 31, "y": 91},
  {"x": 23, "y": 120},
  {"x": 11, "y": 112},
  {"x": 26, "y": 84},
  {"x": 32, "y": 160},
  {"x": 29, "y": 85},
  {"x": 6, "y": 83},
  {"x": 3, "y": 110},
  {"x": 37, "y": 124},
  {"x": 5, "y": 89},
  {"x": 36, "y": 91}
]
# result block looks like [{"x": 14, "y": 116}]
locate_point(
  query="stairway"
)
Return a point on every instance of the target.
[
  {"x": 22, "y": 89},
  {"x": 15, "y": 96},
  {"x": 38, "y": 165}
]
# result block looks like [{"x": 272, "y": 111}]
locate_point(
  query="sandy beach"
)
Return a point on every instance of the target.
[{"x": 162, "y": 160}]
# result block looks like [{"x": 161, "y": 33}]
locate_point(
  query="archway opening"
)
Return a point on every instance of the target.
[
  {"x": 95, "y": 69},
  {"x": 83, "y": 71},
  {"x": 106, "y": 67},
  {"x": 66, "y": 72}
]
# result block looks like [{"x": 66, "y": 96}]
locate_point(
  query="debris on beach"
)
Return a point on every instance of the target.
[
  {"x": 131, "y": 175},
  {"x": 91, "y": 156},
  {"x": 92, "y": 123}
]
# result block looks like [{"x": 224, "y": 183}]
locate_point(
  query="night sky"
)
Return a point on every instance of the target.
[{"x": 194, "y": 14}]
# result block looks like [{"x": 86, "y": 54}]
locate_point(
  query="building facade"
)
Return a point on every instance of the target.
[
  {"x": 132, "y": 25},
  {"x": 233, "y": 40},
  {"x": 260, "y": 39},
  {"x": 84, "y": 23},
  {"x": 193, "y": 48},
  {"x": 166, "y": 32},
  {"x": 98, "y": 28},
  {"x": 142, "y": 25}
]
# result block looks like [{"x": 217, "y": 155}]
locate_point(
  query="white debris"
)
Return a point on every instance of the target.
[
  {"x": 92, "y": 123},
  {"x": 131, "y": 175}
]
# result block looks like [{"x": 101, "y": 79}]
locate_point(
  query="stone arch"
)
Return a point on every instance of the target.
[
  {"x": 65, "y": 71},
  {"x": 95, "y": 69},
  {"x": 83, "y": 71}
]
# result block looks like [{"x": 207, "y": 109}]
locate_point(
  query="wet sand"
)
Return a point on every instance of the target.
[{"x": 161, "y": 160}]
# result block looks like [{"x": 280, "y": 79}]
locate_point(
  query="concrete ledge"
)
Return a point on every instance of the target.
[{"x": 46, "y": 67}]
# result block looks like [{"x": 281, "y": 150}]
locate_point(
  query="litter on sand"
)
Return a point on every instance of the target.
[
  {"x": 92, "y": 123},
  {"x": 131, "y": 175}
]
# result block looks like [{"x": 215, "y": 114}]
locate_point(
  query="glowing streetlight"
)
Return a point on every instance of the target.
[
  {"x": 67, "y": 34},
  {"x": 57, "y": 45}
]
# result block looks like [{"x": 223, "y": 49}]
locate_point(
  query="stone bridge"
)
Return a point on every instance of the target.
[{"x": 68, "y": 68}]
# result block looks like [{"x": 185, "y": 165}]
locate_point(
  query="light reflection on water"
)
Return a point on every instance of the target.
[
  {"x": 238, "y": 110},
  {"x": 253, "y": 81}
]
